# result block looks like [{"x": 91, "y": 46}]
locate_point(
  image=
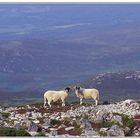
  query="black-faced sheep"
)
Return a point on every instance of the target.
[
  {"x": 83, "y": 93},
  {"x": 54, "y": 96}
]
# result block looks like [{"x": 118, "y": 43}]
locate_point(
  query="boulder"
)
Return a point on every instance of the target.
[
  {"x": 92, "y": 133},
  {"x": 28, "y": 114},
  {"x": 128, "y": 102},
  {"x": 69, "y": 128},
  {"x": 1, "y": 117},
  {"x": 32, "y": 133},
  {"x": 135, "y": 106},
  {"x": 46, "y": 123},
  {"x": 36, "y": 121},
  {"x": 116, "y": 131},
  {"x": 33, "y": 127},
  {"x": 13, "y": 114},
  {"x": 127, "y": 131},
  {"x": 107, "y": 116},
  {"x": 87, "y": 125},
  {"x": 53, "y": 131},
  {"x": 136, "y": 133},
  {"x": 103, "y": 131},
  {"x": 98, "y": 117}
]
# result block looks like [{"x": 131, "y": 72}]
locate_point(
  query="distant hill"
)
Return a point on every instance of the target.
[
  {"x": 112, "y": 87},
  {"x": 115, "y": 86}
]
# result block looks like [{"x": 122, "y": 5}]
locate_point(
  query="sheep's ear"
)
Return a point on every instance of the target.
[
  {"x": 67, "y": 89},
  {"x": 76, "y": 87}
]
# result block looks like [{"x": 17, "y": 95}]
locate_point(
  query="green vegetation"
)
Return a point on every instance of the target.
[
  {"x": 78, "y": 131},
  {"x": 67, "y": 121},
  {"x": 110, "y": 123},
  {"x": 76, "y": 124},
  {"x": 40, "y": 134},
  {"x": 13, "y": 132},
  {"x": 54, "y": 121},
  {"x": 5, "y": 114},
  {"x": 126, "y": 120}
]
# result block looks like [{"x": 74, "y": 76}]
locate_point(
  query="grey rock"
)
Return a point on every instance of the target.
[
  {"x": 128, "y": 102},
  {"x": 127, "y": 130},
  {"x": 103, "y": 131},
  {"x": 109, "y": 116},
  {"x": 32, "y": 133},
  {"x": 62, "y": 126},
  {"x": 116, "y": 131},
  {"x": 33, "y": 127},
  {"x": 69, "y": 128},
  {"x": 136, "y": 133},
  {"x": 54, "y": 131},
  {"x": 1, "y": 118},
  {"x": 92, "y": 133},
  {"x": 87, "y": 125}
]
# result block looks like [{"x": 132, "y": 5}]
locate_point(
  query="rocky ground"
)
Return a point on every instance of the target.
[{"x": 118, "y": 119}]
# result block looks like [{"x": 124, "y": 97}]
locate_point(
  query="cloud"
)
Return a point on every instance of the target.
[
  {"x": 22, "y": 33},
  {"x": 25, "y": 9},
  {"x": 36, "y": 9},
  {"x": 68, "y": 26}
]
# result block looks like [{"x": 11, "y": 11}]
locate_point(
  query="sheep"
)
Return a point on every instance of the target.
[
  {"x": 83, "y": 93},
  {"x": 53, "y": 95}
]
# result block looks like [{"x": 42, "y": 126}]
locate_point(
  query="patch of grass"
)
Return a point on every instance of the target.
[
  {"x": 54, "y": 121},
  {"x": 67, "y": 122},
  {"x": 40, "y": 134},
  {"x": 5, "y": 114},
  {"x": 126, "y": 120},
  {"x": 13, "y": 132},
  {"x": 97, "y": 125},
  {"x": 108, "y": 124},
  {"x": 78, "y": 131}
]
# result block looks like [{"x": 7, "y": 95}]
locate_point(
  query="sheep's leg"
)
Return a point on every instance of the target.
[
  {"x": 96, "y": 102},
  {"x": 44, "y": 101},
  {"x": 49, "y": 103},
  {"x": 63, "y": 102},
  {"x": 81, "y": 101}
]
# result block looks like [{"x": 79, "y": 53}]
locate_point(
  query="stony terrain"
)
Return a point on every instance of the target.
[{"x": 117, "y": 119}]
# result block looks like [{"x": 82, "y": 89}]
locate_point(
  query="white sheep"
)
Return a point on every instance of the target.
[
  {"x": 54, "y": 96},
  {"x": 83, "y": 93}
]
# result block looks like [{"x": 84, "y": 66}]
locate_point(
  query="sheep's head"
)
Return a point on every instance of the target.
[
  {"x": 67, "y": 89},
  {"x": 78, "y": 91},
  {"x": 77, "y": 88}
]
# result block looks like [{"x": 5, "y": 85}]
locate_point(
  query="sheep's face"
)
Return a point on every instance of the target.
[
  {"x": 67, "y": 89},
  {"x": 77, "y": 88}
]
